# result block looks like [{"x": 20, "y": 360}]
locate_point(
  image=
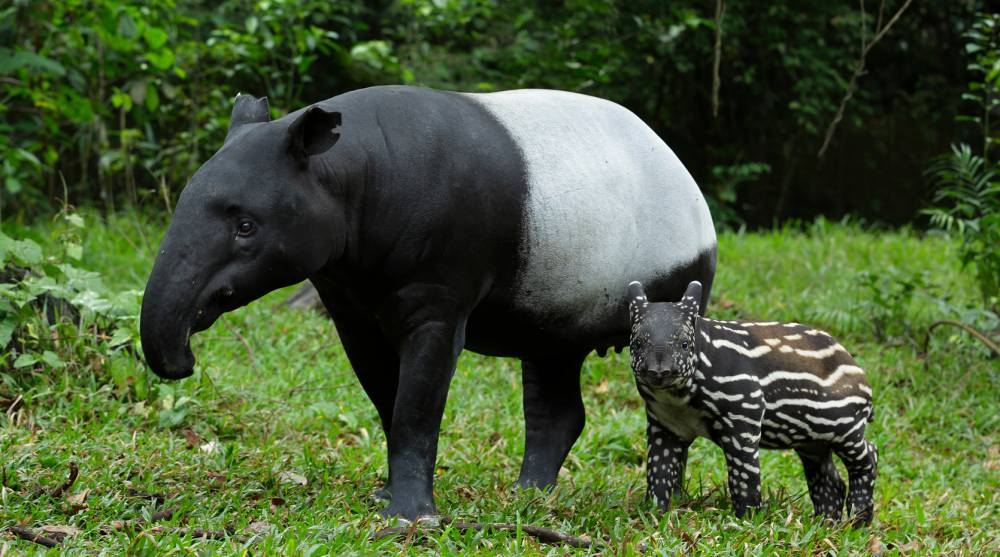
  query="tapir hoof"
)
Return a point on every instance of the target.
[
  {"x": 544, "y": 484},
  {"x": 538, "y": 476},
  {"x": 409, "y": 509}
]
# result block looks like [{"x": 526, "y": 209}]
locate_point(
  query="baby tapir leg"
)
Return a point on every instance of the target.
[
  {"x": 861, "y": 460},
  {"x": 553, "y": 416},
  {"x": 665, "y": 462},
  {"x": 826, "y": 489},
  {"x": 743, "y": 463}
]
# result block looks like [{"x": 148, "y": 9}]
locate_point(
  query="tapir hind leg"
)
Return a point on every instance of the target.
[{"x": 553, "y": 416}]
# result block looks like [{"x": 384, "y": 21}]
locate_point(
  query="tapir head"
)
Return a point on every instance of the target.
[
  {"x": 252, "y": 219},
  {"x": 662, "y": 338}
]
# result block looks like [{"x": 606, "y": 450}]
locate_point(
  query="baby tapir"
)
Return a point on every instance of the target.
[{"x": 747, "y": 385}]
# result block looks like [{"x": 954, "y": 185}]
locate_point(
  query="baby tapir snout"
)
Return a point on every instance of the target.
[{"x": 661, "y": 363}]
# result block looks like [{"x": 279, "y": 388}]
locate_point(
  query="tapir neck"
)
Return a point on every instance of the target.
[{"x": 344, "y": 175}]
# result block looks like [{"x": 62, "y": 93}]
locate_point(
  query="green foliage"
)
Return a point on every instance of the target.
[
  {"x": 57, "y": 319},
  {"x": 968, "y": 202},
  {"x": 125, "y": 100},
  {"x": 723, "y": 192},
  {"x": 967, "y": 186}
]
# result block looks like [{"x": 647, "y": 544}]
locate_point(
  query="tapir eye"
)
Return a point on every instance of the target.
[
  {"x": 245, "y": 228},
  {"x": 684, "y": 345}
]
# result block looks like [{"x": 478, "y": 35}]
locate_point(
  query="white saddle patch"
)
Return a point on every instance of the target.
[{"x": 608, "y": 203}]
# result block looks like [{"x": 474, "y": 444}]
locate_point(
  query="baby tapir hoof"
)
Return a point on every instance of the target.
[{"x": 747, "y": 385}]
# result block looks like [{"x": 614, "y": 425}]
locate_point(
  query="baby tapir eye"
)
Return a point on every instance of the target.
[{"x": 684, "y": 345}]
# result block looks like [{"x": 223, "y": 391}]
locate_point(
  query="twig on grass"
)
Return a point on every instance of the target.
[
  {"x": 167, "y": 514},
  {"x": 74, "y": 471},
  {"x": 540, "y": 533},
  {"x": 967, "y": 328},
  {"x": 156, "y": 498},
  {"x": 199, "y": 533},
  {"x": 242, "y": 339},
  {"x": 10, "y": 406},
  {"x": 162, "y": 514},
  {"x": 26, "y": 533}
]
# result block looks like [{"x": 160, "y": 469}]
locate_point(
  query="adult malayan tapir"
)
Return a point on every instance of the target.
[{"x": 430, "y": 221}]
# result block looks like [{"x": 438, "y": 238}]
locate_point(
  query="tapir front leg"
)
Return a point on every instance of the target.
[
  {"x": 375, "y": 364},
  {"x": 431, "y": 335},
  {"x": 666, "y": 459},
  {"x": 367, "y": 348}
]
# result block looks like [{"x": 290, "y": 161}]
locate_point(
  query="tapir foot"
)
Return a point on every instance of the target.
[
  {"x": 410, "y": 508},
  {"x": 383, "y": 493},
  {"x": 537, "y": 478}
]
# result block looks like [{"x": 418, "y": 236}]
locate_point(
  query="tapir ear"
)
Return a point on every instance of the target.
[
  {"x": 692, "y": 297},
  {"x": 248, "y": 109},
  {"x": 636, "y": 300},
  {"x": 312, "y": 133}
]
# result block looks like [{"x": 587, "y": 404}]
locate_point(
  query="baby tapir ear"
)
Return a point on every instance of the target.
[
  {"x": 248, "y": 109},
  {"x": 636, "y": 300},
  {"x": 692, "y": 297},
  {"x": 312, "y": 133}
]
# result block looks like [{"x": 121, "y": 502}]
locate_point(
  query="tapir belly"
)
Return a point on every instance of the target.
[{"x": 607, "y": 203}]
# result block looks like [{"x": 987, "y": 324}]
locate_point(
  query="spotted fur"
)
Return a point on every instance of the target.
[{"x": 748, "y": 385}]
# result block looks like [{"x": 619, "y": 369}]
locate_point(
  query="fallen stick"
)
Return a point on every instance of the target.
[
  {"x": 243, "y": 341},
  {"x": 32, "y": 536},
  {"x": 199, "y": 533},
  {"x": 542, "y": 534},
  {"x": 156, "y": 498},
  {"x": 74, "y": 471},
  {"x": 164, "y": 514},
  {"x": 975, "y": 334},
  {"x": 167, "y": 514}
]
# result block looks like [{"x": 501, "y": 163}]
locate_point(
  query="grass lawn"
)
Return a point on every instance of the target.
[{"x": 276, "y": 441}]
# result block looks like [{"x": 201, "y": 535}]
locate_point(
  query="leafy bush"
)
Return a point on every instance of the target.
[
  {"x": 127, "y": 99},
  {"x": 57, "y": 319},
  {"x": 883, "y": 305},
  {"x": 967, "y": 195},
  {"x": 968, "y": 202}
]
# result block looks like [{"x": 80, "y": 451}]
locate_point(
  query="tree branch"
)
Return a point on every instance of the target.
[
  {"x": 720, "y": 11},
  {"x": 859, "y": 70},
  {"x": 543, "y": 535}
]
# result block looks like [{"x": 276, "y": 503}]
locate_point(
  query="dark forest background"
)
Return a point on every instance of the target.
[{"x": 110, "y": 103}]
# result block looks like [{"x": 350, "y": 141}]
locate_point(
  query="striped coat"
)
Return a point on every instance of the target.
[{"x": 746, "y": 386}]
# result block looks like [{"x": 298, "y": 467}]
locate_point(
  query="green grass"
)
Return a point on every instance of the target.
[{"x": 295, "y": 407}]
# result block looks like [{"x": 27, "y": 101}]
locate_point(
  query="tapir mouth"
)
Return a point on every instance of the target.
[
  {"x": 663, "y": 381},
  {"x": 204, "y": 318},
  {"x": 178, "y": 367}
]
